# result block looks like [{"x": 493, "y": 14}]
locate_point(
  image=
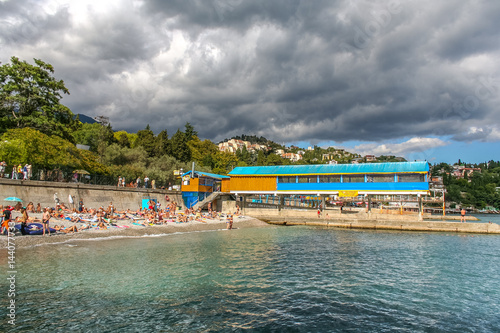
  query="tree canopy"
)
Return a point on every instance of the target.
[{"x": 30, "y": 97}]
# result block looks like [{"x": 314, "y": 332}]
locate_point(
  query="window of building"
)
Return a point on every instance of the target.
[
  {"x": 286, "y": 179},
  {"x": 380, "y": 178},
  {"x": 205, "y": 181},
  {"x": 411, "y": 178},
  {"x": 354, "y": 179},
  {"x": 329, "y": 179},
  {"x": 308, "y": 179}
]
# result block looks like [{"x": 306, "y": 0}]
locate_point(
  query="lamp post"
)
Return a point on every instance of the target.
[{"x": 444, "y": 203}]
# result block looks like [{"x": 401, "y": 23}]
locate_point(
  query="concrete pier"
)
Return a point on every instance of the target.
[{"x": 401, "y": 225}]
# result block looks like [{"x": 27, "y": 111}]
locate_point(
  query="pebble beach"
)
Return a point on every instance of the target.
[{"x": 123, "y": 228}]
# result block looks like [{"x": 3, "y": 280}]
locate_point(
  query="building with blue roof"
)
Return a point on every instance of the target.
[
  {"x": 197, "y": 185},
  {"x": 332, "y": 179}
]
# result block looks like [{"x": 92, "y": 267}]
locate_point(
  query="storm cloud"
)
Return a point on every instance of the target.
[{"x": 288, "y": 70}]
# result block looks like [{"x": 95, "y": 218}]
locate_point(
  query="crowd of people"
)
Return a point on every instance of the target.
[
  {"x": 18, "y": 171},
  {"x": 138, "y": 183},
  {"x": 104, "y": 217}
]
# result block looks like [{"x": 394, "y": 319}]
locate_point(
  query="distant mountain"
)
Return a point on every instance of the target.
[{"x": 85, "y": 119}]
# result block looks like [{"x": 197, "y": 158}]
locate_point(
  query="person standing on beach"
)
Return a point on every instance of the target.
[
  {"x": 138, "y": 182},
  {"x": 45, "y": 220},
  {"x": 80, "y": 206},
  {"x": 14, "y": 172},
  {"x": 56, "y": 199},
  {"x": 146, "y": 181},
  {"x": 7, "y": 213},
  {"x": 24, "y": 221},
  {"x": 123, "y": 181},
  {"x": 230, "y": 222},
  {"x": 119, "y": 181},
  {"x": 462, "y": 215},
  {"x": 71, "y": 201},
  {"x": 111, "y": 209}
]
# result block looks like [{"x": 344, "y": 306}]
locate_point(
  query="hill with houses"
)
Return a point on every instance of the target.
[{"x": 252, "y": 145}]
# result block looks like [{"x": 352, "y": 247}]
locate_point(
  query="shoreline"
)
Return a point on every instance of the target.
[
  {"x": 128, "y": 229},
  {"x": 133, "y": 231}
]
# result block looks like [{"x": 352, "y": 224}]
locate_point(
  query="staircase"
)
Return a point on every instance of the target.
[{"x": 208, "y": 199}]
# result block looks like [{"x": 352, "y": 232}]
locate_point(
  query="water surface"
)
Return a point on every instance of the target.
[{"x": 295, "y": 279}]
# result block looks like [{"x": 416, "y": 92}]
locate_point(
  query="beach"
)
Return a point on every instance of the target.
[{"x": 124, "y": 228}]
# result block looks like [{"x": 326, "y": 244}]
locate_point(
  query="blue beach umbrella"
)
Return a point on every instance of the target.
[{"x": 12, "y": 199}]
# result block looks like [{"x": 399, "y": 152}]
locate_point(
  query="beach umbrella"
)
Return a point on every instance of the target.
[
  {"x": 12, "y": 199},
  {"x": 82, "y": 172}
]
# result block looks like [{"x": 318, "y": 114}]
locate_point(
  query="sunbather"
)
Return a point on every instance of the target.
[{"x": 66, "y": 229}]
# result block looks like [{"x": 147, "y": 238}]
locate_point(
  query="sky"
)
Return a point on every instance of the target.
[{"x": 418, "y": 79}]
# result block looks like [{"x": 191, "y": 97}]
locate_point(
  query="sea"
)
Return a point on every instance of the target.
[{"x": 263, "y": 279}]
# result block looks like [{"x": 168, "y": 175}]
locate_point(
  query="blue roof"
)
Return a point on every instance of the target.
[
  {"x": 363, "y": 168},
  {"x": 207, "y": 174}
]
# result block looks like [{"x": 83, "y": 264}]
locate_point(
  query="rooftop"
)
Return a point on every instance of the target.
[{"x": 331, "y": 169}]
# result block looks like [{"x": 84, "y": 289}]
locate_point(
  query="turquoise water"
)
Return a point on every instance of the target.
[{"x": 281, "y": 279}]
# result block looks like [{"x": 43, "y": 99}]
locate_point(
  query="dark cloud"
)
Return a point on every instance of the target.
[{"x": 287, "y": 70}]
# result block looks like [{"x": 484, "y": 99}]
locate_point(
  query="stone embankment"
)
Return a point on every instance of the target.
[
  {"x": 374, "y": 221},
  {"x": 93, "y": 196}
]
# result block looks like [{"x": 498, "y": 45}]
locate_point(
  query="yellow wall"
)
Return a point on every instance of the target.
[
  {"x": 226, "y": 185},
  {"x": 194, "y": 186},
  {"x": 252, "y": 183}
]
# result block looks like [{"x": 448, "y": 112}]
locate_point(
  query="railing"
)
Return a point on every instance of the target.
[
  {"x": 66, "y": 175},
  {"x": 211, "y": 197}
]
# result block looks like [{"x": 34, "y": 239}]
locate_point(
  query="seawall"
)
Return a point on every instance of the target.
[
  {"x": 373, "y": 220},
  {"x": 380, "y": 224},
  {"x": 93, "y": 196}
]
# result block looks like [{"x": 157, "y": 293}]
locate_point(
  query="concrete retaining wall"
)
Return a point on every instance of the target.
[{"x": 93, "y": 196}]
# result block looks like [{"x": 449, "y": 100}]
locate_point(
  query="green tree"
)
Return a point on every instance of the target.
[
  {"x": 244, "y": 155},
  {"x": 146, "y": 139},
  {"x": 180, "y": 148},
  {"x": 190, "y": 132},
  {"x": 224, "y": 162},
  {"x": 106, "y": 137},
  {"x": 163, "y": 146},
  {"x": 88, "y": 134},
  {"x": 30, "y": 97},
  {"x": 274, "y": 159},
  {"x": 202, "y": 152},
  {"x": 123, "y": 140},
  {"x": 261, "y": 158}
]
